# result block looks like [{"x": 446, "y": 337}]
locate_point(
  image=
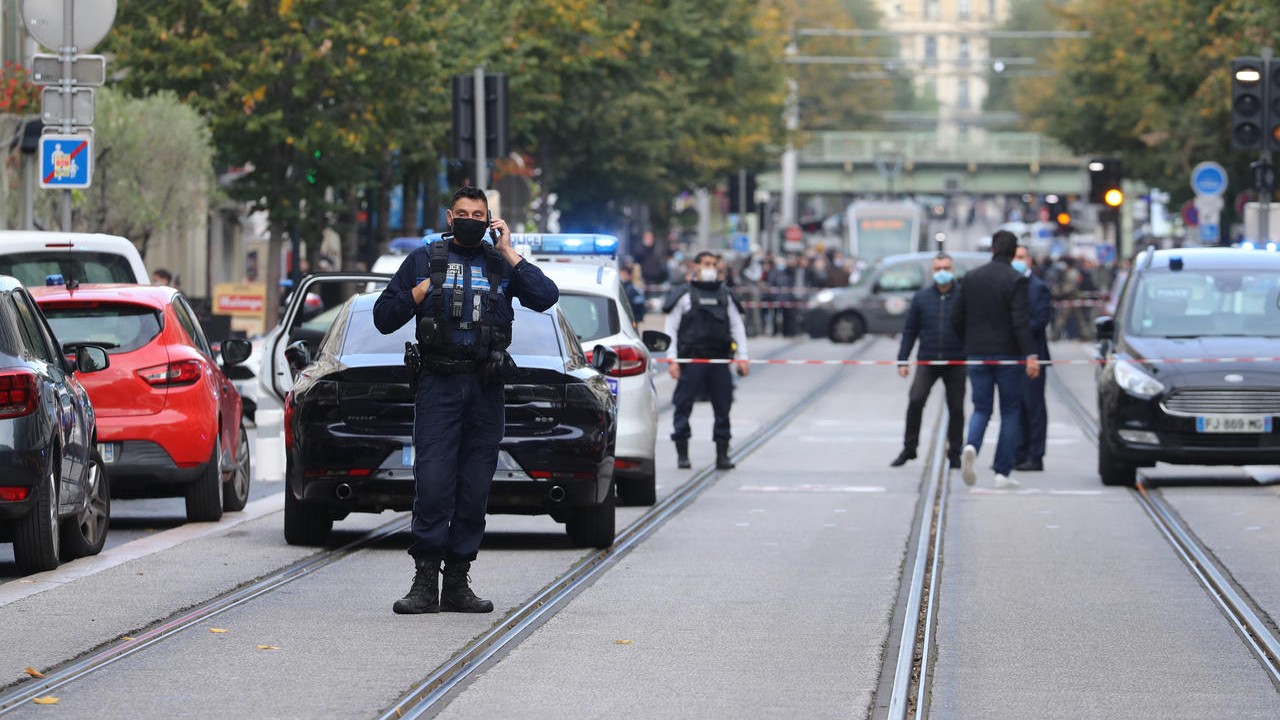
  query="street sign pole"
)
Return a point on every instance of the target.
[
  {"x": 67, "y": 54},
  {"x": 482, "y": 151}
]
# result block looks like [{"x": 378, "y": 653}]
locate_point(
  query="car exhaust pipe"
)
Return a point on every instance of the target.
[
  {"x": 556, "y": 494},
  {"x": 342, "y": 492}
]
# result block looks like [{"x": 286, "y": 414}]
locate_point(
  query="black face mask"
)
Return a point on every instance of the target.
[{"x": 469, "y": 232}]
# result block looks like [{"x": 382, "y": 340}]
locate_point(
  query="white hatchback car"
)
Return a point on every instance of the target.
[
  {"x": 595, "y": 304},
  {"x": 33, "y": 255}
]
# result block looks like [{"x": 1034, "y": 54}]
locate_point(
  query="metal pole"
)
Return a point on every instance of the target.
[
  {"x": 67, "y": 55},
  {"x": 790, "y": 158},
  {"x": 1265, "y": 191},
  {"x": 482, "y": 152}
]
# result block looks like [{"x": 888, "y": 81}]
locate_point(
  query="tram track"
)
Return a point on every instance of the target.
[
  {"x": 524, "y": 618},
  {"x": 1237, "y": 606},
  {"x": 433, "y": 693},
  {"x": 904, "y": 676}
]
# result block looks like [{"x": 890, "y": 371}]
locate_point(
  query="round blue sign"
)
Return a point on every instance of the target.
[{"x": 1209, "y": 178}]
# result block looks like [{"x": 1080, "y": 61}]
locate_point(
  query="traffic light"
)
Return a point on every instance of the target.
[
  {"x": 464, "y": 114},
  {"x": 740, "y": 191},
  {"x": 1105, "y": 175},
  {"x": 1249, "y": 108},
  {"x": 1113, "y": 198},
  {"x": 1272, "y": 126}
]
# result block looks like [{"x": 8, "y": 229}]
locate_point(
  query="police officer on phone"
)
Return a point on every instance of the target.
[
  {"x": 706, "y": 322},
  {"x": 459, "y": 291}
]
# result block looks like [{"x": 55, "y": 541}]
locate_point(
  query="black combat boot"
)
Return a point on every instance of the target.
[
  {"x": 424, "y": 596},
  {"x": 456, "y": 595},
  {"x": 722, "y": 456},
  {"x": 682, "y": 455}
]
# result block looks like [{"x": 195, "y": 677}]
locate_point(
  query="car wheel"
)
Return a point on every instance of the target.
[
  {"x": 204, "y": 496},
  {"x": 1112, "y": 472},
  {"x": 36, "y": 541},
  {"x": 642, "y": 490},
  {"x": 305, "y": 523},
  {"x": 85, "y": 533},
  {"x": 846, "y": 327},
  {"x": 593, "y": 526},
  {"x": 235, "y": 491}
]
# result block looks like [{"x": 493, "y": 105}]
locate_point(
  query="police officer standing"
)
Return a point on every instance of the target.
[
  {"x": 459, "y": 290},
  {"x": 1035, "y": 415},
  {"x": 706, "y": 322},
  {"x": 929, "y": 319}
]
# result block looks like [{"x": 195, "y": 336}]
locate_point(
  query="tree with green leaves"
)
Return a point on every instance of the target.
[{"x": 1151, "y": 84}]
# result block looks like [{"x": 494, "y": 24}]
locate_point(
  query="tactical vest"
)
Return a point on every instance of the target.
[
  {"x": 441, "y": 335},
  {"x": 704, "y": 330}
]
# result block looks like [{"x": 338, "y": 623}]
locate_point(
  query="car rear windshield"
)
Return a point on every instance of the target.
[
  {"x": 1192, "y": 303},
  {"x": 119, "y": 328},
  {"x": 87, "y": 267},
  {"x": 591, "y": 316},
  {"x": 533, "y": 333}
]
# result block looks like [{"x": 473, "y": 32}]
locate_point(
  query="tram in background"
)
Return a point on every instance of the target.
[{"x": 878, "y": 228}]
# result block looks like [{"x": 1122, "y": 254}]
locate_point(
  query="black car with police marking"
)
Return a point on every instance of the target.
[
  {"x": 1180, "y": 383},
  {"x": 349, "y": 428},
  {"x": 55, "y": 504}
]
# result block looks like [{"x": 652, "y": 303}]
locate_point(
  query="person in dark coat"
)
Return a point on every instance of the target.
[
  {"x": 1035, "y": 415},
  {"x": 992, "y": 318},
  {"x": 929, "y": 321}
]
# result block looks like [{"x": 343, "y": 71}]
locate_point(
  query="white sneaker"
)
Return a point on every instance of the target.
[
  {"x": 967, "y": 457},
  {"x": 1004, "y": 482}
]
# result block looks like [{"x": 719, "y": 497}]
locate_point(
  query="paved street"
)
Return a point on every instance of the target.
[{"x": 772, "y": 593}]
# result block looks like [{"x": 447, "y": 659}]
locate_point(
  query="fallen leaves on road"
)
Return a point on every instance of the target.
[
  {"x": 46, "y": 700},
  {"x": 268, "y": 647},
  {"x": 216, "y": 630},
  {"x": 33, "y": 672},
  {"x": 621, "y": 642}
]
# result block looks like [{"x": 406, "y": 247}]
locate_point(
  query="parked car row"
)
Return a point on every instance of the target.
[{"x": 108, "y": 388}]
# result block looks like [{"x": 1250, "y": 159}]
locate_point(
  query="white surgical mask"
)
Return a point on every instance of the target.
[{"x": 708, "y": 274}]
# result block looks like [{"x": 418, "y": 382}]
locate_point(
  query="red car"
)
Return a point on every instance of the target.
[{"x": 168, "y": 417}]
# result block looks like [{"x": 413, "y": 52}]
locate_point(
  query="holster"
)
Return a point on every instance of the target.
[
  {"x": 412, "y": 361},
  {"x": 499, "y": 367}
]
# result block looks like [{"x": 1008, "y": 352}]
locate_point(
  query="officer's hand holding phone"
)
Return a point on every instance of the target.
[{"x": 501, "y": 235}]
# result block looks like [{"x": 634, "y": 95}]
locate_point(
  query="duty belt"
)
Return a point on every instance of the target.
[{"x": 441, "y": 366}]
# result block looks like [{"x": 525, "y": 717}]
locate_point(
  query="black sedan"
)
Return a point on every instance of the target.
[
  {"x": 349, "y": 428},
  {"x": 55, "y": 503},
  {"x": 1182, "y": 383}
]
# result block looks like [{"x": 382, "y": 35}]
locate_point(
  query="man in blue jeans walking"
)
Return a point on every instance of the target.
[{"x": 992, "y": 319}]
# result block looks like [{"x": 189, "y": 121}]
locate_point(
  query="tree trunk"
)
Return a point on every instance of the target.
[{"x": 412, "y": 184}]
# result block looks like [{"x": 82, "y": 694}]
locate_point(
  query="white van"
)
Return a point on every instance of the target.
[{"x": 33, "y": 255}]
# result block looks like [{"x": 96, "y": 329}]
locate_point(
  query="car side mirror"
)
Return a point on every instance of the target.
[
  {"x": 235, "y": 351},
  {"x": 656, "y": 340},
  {"x": 91, "y": 358},
  {"x": 297, "y": 356},
  {"x": 1105, "y": 328},
  {"x": 602, "y": 358}
]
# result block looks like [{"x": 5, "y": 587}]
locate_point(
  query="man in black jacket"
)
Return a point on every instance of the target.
[
  {"x": 991, "y": 316},
  {"x": 929, "y": 320},
  {"x": 1035, "y": 415}
]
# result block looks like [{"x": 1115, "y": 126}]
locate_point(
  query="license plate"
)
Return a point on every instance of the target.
[
  {"x": 107, "y": 451},
  {"x": 1233, "y": 424},
  {"x": 613, "y": 386}
]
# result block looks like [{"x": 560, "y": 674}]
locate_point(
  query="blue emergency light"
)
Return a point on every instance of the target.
[{"x": 54, "y": 279}]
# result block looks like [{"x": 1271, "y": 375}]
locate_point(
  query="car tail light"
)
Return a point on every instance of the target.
[
  {"x": 18, "y": 394},
  {"x": 626, "y": 465},
  {"x": 13, "y": 494},
  {"x": 182, "y": 372},
  {"x": 288, "y": 420},
  {"x": 631, "y": 361}
]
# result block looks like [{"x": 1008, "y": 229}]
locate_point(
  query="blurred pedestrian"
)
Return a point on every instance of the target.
[
  {"x": 706, "y": 323},
  {"x": 635, "y": 296},
  {"x": 929, "y": 320},
  {"x": 1066, "y": 287},
  {"x": 1035, "y": 414},
  {"x": 991, "y": 317},
  {"x": 160, "y": 276}
]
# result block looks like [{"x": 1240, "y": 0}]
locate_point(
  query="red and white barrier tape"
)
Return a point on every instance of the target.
[
  {"x": 770, "y": 304},
  {"x": 1147, "y": 361}
]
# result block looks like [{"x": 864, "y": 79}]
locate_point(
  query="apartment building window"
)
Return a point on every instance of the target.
[
  {"x": 963, "y": 59},
  {"x": 962, "y": 9},
  {"x": 962, "y": 94},
  {"x": 991, "y": 9},
  {"x": 930, "y": 50},
  {"x": 931, "y": 9}
]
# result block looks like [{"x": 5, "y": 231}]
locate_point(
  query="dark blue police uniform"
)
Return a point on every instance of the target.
[
  {"x": 1035, "y": 415},
  {"x": 459, "y": 415}
]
